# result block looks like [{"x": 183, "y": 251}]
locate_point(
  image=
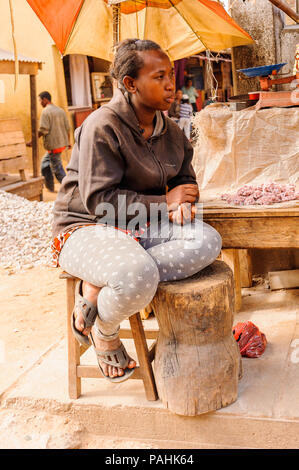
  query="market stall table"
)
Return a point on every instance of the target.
[{"x": 263, "y": 228}]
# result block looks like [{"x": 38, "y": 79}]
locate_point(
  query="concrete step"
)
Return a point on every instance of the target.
[{"x": 265, "y": 415}]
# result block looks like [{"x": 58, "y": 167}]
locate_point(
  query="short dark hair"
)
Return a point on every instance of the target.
[
  {"x": 127, "y": 61},
  {"x": 45, "y": 94}
]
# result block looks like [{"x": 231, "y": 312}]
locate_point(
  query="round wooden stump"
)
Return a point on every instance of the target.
[{"x": 197, "y": 360}]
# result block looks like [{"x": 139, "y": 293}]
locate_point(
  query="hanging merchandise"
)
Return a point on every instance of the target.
[
  {"x": 212, "y": 83},
  {"x": 251, "y": 341}
]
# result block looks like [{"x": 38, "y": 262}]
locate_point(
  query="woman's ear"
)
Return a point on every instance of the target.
[{"x": 129, "y": 84}]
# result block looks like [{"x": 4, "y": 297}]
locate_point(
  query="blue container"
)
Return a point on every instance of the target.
[{"x": 263, "y": 71}]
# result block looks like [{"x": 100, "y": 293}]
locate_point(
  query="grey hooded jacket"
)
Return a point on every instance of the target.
[{"x": 111, "y": 158}]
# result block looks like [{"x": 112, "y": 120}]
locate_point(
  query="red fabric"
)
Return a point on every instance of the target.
[
  {"x": 199, "y": 102},
  {"x": 58, "y": 17},
  {"x": 58, "y": 150},
  {"x": 251, "y": 341},
  {"x": 59, "y": 241}
]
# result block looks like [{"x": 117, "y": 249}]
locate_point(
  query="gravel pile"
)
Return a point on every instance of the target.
[{"x": 25, "y": 232}]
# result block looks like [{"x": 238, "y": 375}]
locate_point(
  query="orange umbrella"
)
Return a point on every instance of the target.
[{"x": 181, "y": 27}]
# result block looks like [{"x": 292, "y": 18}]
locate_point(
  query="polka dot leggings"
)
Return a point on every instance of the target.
[{"x": 128, "y": 271}]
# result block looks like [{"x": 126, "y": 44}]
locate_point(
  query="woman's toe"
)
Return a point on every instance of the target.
[
  {"x": 105, "y": 369},
  {"x": 131, "y": 364}
]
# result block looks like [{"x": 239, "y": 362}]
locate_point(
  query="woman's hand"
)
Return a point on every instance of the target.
[
  {"x": 180, "y": 194},
  {"x": 184, "y": 214}
]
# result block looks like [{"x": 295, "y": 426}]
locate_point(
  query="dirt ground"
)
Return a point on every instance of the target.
[{"x": 32, "y": 316}]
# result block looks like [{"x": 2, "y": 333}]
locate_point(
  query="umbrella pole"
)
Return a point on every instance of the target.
[{"x": 116, "y": 23}]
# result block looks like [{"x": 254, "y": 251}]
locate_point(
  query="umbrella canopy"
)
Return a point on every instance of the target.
[{"x": 181, "y": 27}]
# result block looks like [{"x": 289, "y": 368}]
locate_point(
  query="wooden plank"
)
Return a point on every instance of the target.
[
  {"x": 10, "y": 125},
  {"x": 13, "y": 164},
  {"x": 284, "y": 279},
  {"x": 22, "y": 174},
  {"x": 231, "y": 258},
  {"x": 27, "y": 68},
  {"x": 83, "y": 348},
  {"x": 126, "y": 333},
  {"x": 262, "y": 232},
  {"x": 6, "y": 180},
  {"x": 74, "y": 382},
  {"x": 245, "y": 268},
  {"x": 13, "y": 150},
  {"x": 34, "y": 125},
  {"x": 152, "y": 351},
  {"x": 31, "y": 189},
  {"x": 93, "y": 372},
  {"x": 143, "y": 357},
  {"x": 246, "y": 213},
  {"x": 11, "y": 137},
  {"x": 65, "y": 275}
]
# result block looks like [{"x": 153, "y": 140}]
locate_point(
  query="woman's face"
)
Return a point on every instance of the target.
[{"x": 154, "y": 87}]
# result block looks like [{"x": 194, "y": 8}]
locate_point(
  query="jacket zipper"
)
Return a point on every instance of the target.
[{"x": 163, "y": 182}]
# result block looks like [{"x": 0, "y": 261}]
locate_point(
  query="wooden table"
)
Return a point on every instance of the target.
[{"x": 252, "y": 228}]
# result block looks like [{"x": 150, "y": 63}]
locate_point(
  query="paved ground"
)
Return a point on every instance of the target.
[{"x": 35, "y": 410}]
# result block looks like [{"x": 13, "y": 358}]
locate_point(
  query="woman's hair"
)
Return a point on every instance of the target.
[{"x": 127, "y": 61}]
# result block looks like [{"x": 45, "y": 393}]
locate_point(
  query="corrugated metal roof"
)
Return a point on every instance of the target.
[{"x": 9, "y": 56}]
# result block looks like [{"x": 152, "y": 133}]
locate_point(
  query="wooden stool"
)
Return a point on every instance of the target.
[
  {"x": 76, "y": 371},
  {"x": 197, "y": 360}
]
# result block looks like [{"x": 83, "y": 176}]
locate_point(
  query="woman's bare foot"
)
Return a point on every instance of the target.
[
  {"x": 104, "y": 345},
  {"x": 89, "y": 292}
]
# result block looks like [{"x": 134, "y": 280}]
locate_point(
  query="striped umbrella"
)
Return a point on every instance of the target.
[{"x": 181, "y": 27}]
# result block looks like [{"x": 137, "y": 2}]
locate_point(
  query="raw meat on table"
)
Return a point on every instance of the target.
[{"x": 264, "y": 194}]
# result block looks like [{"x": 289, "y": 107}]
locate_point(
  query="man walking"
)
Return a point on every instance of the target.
[{"x": 55, "y": 130}]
